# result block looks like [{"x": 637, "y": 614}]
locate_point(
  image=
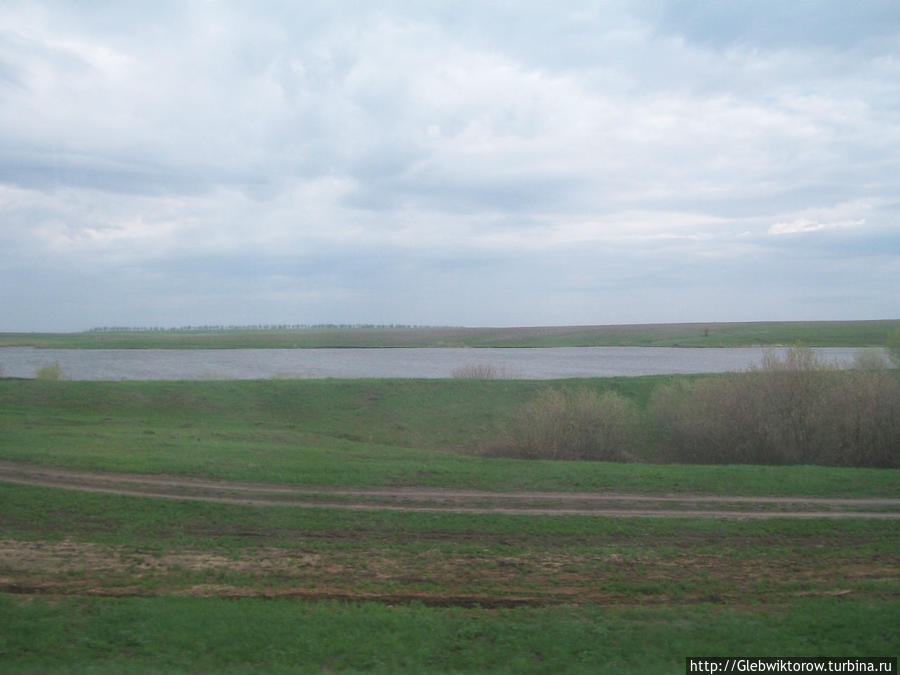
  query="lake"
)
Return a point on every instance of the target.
[{"x": 522, "y": 363}]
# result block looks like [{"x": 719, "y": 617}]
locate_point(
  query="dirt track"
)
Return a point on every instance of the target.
[{"x": 450, "y": 501}]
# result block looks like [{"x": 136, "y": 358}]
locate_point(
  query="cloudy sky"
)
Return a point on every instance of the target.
[{"x": 443, "y": 162}]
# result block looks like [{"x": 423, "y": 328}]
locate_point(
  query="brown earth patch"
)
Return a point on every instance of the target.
[{"x": 433, "y": 576}]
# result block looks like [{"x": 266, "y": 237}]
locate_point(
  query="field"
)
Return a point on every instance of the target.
[
  {"x": 809, "y": 333},
  {"x": 354, "y": 525}
]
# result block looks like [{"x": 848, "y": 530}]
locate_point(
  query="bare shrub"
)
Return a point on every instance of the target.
[
  {"x": 573, "y": 424},
  {"x": 475, "y": 371},
  {"x": 765, "y": 416},
  {"x": 51, "y": 371},
  {"x": 870, "y": 359},
  {"x": 478, "y": 371},
  {"x": 795, "y": 360},
  {"x": 791, "y": 389},
  {"x": 792, "y": 410},
  {"x": 711, "y": 421},
  {"x": 858, "y": 420}
]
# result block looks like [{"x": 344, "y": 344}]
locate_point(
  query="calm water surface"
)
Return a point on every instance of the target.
[{"x": 243, "y": 364}]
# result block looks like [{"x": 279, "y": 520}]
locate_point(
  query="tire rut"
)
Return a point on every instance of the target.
[{"x": 442, "y": 500}]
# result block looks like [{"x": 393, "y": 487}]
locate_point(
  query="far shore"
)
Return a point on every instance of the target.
[{"x": 872, "y": 333}]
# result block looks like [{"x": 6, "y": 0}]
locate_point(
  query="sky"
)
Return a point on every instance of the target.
[{"x": 439, "y": 162}]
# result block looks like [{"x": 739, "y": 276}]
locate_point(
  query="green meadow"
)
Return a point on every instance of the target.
[
  {"x": 95, "y": 582},
  {"x": 253, "y": 636},
  {"x": 355, "y": 433}
]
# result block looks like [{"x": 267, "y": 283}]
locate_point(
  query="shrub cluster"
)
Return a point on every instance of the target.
[
  {"x": 791, "y": 410},
  {"x": 573, "y": 424},
  {"x": 797, "y": 410}
]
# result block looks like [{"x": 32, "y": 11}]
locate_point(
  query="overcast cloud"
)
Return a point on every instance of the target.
[{"x": 464, "y": 163}]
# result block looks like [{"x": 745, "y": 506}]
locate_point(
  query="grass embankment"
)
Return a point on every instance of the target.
[
  {"x": 351, "y": 433},
  {"x": 810, "y": 333},
  {"x": 105, "y": 583}
]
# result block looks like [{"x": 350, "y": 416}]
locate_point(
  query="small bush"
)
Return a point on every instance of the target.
[
  {"x": 480, "y": 371},
  {"x": 575, "y": 425},
  {"x": 51, "y": 371}
]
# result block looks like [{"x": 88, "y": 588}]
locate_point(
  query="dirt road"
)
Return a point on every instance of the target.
[{"x": 448, "y": 500}]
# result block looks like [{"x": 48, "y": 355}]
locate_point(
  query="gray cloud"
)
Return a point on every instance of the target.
[{"x": 447, "y": 162}]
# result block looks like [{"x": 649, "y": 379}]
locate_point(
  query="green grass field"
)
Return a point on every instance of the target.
[
  {"x": 352, "y": 433},
  {"x": 809, "y": 333},
  {"x": 215, "y": 635},
  {"x": 111, "y": 583},
  {"x": 101, "y": 582}
]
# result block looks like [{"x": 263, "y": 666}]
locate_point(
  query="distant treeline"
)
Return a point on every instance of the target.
[{"x": 250, "y": 327}]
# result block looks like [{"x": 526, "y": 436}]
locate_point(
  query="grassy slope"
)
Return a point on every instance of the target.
[
  {"x": 354, "y": 433},
  {"x": 811, "y": 333},
  {"x": 640, "y": 594}
]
